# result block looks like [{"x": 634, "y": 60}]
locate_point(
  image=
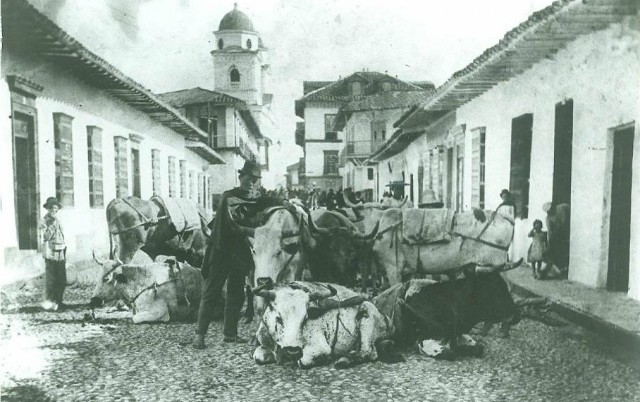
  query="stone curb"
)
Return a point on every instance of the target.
[{"x": 609, "y": 331}]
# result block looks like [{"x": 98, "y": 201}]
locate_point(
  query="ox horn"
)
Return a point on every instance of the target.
[
  {"x": 328, "y": 291},
  {"x": 314, "y": 228},
  {"x": 238, "y": 228},
  {"x": 93, "y": 252},
  {"x": 267, "y": 294},
  {"x": 349, "y": 203}
]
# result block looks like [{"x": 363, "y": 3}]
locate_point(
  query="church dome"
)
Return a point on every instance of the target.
[{"x": 235, "y": 20}]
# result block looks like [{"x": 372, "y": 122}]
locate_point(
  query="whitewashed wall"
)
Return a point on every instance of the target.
[
  {"x": 601, "y": 73},
  {"x": 85, "y": 227}
]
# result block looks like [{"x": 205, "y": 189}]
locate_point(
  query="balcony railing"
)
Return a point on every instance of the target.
[{"x": 362, "y": 148}]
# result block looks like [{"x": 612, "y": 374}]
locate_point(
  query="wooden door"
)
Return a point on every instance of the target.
[
  {"x": 25, "y": 188},
  {"x": 620, "y": 222},
  {"x": 562, "y": 153},
  {"x": 521, "y": 131}
]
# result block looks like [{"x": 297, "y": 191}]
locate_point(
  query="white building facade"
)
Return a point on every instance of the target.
[
  {"x": 86, "y": 137},
  {"x": 561, "y": 127}
]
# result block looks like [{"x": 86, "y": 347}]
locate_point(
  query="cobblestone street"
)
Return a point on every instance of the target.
[{"x": 62, "y": 357}]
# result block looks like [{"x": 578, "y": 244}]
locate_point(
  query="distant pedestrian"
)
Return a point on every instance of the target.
[
  {"x": 54, "y": 251},
  {"x": 507, "y": 205},
  {"x": 538, "y": 248},
  {"x": 330, "y": 200},
  {"x": 340, "y": 199}
]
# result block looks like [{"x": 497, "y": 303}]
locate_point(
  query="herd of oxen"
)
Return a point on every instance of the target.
[{"x": 435, "y": 274}]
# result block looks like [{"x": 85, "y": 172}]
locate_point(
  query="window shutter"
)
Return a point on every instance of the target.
[
  {"x": 122, "y": 174},
  {"x": 477, "y": 167},
  {"x": 94, "y": 155},
  {"x": 63, "y": 139},
  {"x": 521, "y": 131},
  {"x": 172, "y": 176},
  {"x": 183, "y": 179},
  {"x": 155, "y": 172}
]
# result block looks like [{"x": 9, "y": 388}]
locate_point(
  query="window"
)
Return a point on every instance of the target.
[
  {"x": 220, "y": 43},
  {"x": 477, "y": 167},
  {"x": 135, "y": 170},
  {"x": 155, "y": 172},
  {"x": 183, "y": 179},
  {"x": 356, "y": 88},
  {"x": 378, "y": 131},
  {"x": 459, "y": 177},
  {"x": 387, "y": 86},
  {"x": 209, "y": 193},
  {"x": 201, "y": 189},
  {"x": 234, "y": 75},
  {"x": 330, "y": 162},
  {"x": 521, "y": 131},
  {"x": 172, "y": 176},
  {"x": 63, "y": 139},
  {"x": 329, "y": 133},
  {"x": 369, "y": 173},
  {"x": 192, "y": 185},
  {"x": 94, "y": 157},
  {"x": 121, "y": 169},
  {"x": 248, "y": 43}
]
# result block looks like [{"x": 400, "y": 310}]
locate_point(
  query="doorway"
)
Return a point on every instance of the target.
[
  {"x": 620, "y": 220},
  {"x": 25, "y": 187},
  {"x": 562, "y": 153}
]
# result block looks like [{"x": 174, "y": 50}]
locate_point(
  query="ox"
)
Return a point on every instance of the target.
[
  {"x": 476, "y": 238},
  {"x": 147, "y": 225},
  {"x": 160, "y": 291},
  {"x": 289, "y": 240},
  {"x": 312, "y": 323},
  {"x": 439, "y": 315},
  {"x": 341, "y": 248}
]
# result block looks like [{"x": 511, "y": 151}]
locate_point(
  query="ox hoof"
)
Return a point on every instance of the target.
[
  {"x": 343, "y": 363},
  {"x": 198, "y": 342},
  {"x": 304, "y": 366}
]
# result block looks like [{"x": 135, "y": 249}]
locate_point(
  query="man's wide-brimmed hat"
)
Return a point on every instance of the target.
[
  {"x": 250, "y": 168},
  {"x": 51, "y": 201}
]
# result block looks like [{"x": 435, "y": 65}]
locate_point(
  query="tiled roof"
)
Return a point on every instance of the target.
[
  {"x": 193, "y": 96},
  {"x": 24, "y": 26},
  {"x": 310, "y": 86},
  {"x": 387, "y": 100},
  {"x": 338, "y": 91},
  {"x": 199, "y": 95},
  {"x": 381, "y": 101},
  {"x": 540, "y": 36},
  {"x": 423, "y": 84}
]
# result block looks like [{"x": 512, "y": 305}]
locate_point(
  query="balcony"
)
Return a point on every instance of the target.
[{"x": 362, "y": 148}]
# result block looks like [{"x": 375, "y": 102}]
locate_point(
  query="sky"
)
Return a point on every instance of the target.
[{"x": 165, "y": 44}]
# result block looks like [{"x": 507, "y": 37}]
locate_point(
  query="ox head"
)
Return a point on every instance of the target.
[
  {"x": 279, "y": 245},
  {"x": 289, "y": 306},
  {"x": 492, "y": 299},
  {"x": 340, "y": 245},
  {"x": 120, "y": 283}
]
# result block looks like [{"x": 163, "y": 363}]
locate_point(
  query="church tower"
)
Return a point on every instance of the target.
[{"x": 240, "y": 58}]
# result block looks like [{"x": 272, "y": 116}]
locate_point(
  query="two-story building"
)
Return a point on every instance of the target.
[
  {"x": 550, "y": 113},
  {"x": 367, "y": 124},
  {"x": 77, "y": 128},
  {"x": 319, "y": 134},
  {"x": 231, "y": 131}
]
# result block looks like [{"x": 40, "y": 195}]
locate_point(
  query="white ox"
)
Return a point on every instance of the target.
[
  {"x": 160, "y": 291},
  {"x": 312, "y": 323}
]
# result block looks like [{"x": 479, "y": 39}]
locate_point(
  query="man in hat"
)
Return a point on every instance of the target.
[
  {"x": 54, "y": 252},
  {"x": 507, "y": 204},
  {"x": 227, "y": 259}
]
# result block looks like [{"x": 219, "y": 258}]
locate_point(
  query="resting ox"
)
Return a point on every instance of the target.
[
  {"x": 161, "y": 291},
  {"x": 439, "y": 315},
  {"x": 313, "y": 323},
  {"x": 157, "y": 226},
  {"x": 465, "y": 239}
]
